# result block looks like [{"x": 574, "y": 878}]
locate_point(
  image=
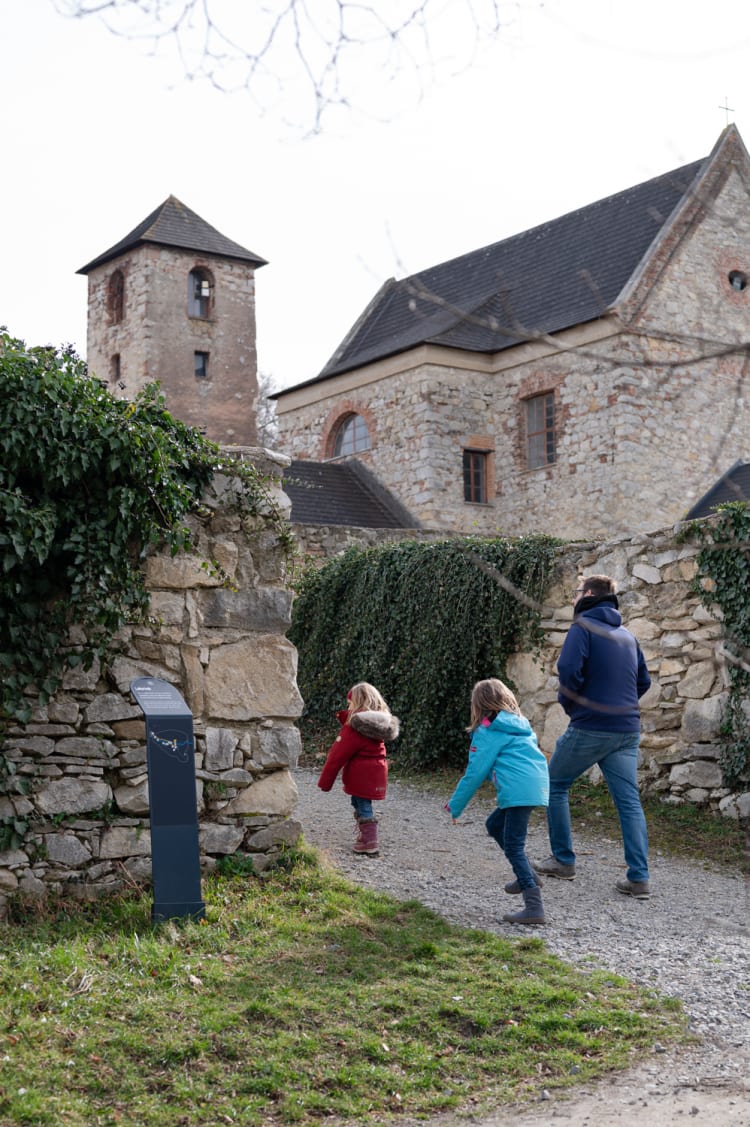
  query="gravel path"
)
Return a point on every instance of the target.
[{"x": 691, "y": 940}]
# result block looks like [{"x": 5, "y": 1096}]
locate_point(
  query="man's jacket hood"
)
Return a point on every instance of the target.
[{"x": 602, "y": 613}]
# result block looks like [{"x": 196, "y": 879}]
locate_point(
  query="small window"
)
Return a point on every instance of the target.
[
  {"x": 540, "y": 430},
  {"x": 352, "y": 436},
  {"x": 738, "y": 280},
  {"x": 201, "y": 365},
  {"x": 200, "y": 293},
  {"x": 114, "y": 368},
  {"x": 475, "y": 476},
  {"x": 116, "y": 297}
]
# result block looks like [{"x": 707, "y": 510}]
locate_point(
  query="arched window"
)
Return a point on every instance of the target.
[
  {"x": 116, "y": 297},
  {"x": 352, "y": 436},
  {"x": 200, "y": 293}
]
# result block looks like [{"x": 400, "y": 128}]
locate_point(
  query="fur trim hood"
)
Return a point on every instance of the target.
[{"x": 375, "y": 725}]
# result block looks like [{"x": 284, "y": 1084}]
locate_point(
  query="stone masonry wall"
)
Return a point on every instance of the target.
[
  {"x": 156, "y": 338},
  {"x": 633, "y": 401},
  {"x": 78, "y": 781},
  {"x": 680, "y": 639},
  {"x": 621, "y": 430},
  {"x": 78, "y": 774}
]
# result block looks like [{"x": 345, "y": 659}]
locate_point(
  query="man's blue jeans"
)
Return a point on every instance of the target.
[
  {"x": 509, "y": 828},
  {"x": 616, "y": 753}
]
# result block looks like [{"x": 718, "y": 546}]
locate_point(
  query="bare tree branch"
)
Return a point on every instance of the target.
[
  {"x": 307, "y": 56},
  {"x": 267, "y": 423}
]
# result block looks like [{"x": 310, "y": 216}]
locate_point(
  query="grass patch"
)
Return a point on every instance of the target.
[{"x": 300, "y": 997}]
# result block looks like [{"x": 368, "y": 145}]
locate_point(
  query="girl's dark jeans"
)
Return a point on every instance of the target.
[{"x": 509, "y": 828}]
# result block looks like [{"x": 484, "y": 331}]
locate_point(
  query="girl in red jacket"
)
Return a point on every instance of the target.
[{"x": 359, "y": 753}]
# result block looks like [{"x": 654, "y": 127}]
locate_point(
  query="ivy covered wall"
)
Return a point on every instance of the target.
[
  {"x": 694, "y": 742},
  {"x": 74, "y": 811}
]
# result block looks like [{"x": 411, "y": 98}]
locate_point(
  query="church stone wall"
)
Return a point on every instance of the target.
[
  {"x": 78, "y": 783},
  {"x": 157, "y": 340},
  {"x": 622, "y": 431},
  {"x": 648, "y": 415},
  {"x": 681, "y": 641}
]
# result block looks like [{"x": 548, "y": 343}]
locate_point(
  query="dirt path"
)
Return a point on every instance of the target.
[{"x": 692, "y": 939}]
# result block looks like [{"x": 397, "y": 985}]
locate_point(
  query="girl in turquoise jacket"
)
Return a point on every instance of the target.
[{"x": 504, "y": 749}]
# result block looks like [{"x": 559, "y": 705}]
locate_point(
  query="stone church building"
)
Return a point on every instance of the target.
[
  {"x": 174, "y": 301},
  {"x": 582, "y": 378}
]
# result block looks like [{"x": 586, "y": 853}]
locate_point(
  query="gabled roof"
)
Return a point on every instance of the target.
[
  {"x": 342, "y": 493},
  {"x": 566, "y": 272},
  {"x": 174, "y": 225},
  {"x": 734, "y": 485}
]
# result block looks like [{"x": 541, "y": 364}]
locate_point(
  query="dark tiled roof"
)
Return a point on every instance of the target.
[
  {"x": 734, "y": 485},
  {"x": 174, "y": 225},
  {"x": 342, "y": 493},
  {"x": 562, "y": 273}
]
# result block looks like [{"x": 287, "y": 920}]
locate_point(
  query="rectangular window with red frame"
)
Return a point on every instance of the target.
[
  {"x": 475, "y": 476},
  {"x": 540, "y": 431}
]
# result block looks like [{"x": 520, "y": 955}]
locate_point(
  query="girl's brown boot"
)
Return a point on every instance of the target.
[{"x": 367, "y": 842}]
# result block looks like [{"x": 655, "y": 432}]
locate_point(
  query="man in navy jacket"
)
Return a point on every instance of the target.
[{"x": 602, "y": 675}]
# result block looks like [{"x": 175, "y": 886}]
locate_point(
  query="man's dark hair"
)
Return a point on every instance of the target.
[{"x": 599, "y": 585}]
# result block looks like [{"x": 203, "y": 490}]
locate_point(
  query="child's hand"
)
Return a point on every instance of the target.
[{"x": 447, "y": 807}]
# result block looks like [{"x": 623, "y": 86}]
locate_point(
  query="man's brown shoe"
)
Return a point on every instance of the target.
[
  {"x": 638, "y": 889},
  {"x": 551, "y": 867}
]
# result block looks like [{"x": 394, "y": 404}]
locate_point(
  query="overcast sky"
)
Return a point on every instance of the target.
[{"x": 575, "y": 100}]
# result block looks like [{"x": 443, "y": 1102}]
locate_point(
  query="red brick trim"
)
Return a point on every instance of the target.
[
  {"x": 335, "y": 417},
  {"x": 486, "y": 444},
  {"x": 537, "y": 384},
  {"x": 726, "y": 262}
]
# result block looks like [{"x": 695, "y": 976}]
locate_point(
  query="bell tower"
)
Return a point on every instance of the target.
[{"x": 174, "y": 301}]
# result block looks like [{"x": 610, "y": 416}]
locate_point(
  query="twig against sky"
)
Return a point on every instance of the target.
[{"x": 308, "y": 56}]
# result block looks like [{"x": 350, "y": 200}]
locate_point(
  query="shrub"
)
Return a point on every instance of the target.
[
  {"x": 423, "y": 622},
  {"x": 88, "y": 483}
]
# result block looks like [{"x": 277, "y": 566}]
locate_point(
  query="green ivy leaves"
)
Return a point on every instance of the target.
[
  {"x": 423, "y": 622},
  {"x": 724, "y": 560},
  {"x": 88, "y": 483}
]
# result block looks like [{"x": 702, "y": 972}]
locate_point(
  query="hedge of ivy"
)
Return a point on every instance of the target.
[
  {"x": 88, "y": 483},
  {"x": 423, "y": 622},
  {"x": 724, "y": 560}
]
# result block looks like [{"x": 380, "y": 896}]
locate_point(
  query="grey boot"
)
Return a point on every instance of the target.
[
  {"x": 533, "y": 909},
  {"x": 513, "y": 887}
]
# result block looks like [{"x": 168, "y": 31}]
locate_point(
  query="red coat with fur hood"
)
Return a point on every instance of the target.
[{"x": 359, "y": 752}]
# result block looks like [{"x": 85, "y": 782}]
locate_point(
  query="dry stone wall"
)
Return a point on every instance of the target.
[
  {"x": 682, "y": 644},
  {"x": 681, "y": 641},
  {"x": 76, "y": 785}
]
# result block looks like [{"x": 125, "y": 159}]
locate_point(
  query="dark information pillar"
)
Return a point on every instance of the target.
[{"x": 175, "y": 854}]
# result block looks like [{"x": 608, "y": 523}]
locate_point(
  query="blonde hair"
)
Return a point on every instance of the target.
[
  {"x": 491, "y": 696},
  {"x": 364, "y": 697}
]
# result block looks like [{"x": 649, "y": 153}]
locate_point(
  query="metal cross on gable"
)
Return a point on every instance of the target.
[{"x": 727, "y": 108}]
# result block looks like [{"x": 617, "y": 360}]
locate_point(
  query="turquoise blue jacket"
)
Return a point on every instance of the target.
[{"x": 506, "y": 752}]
